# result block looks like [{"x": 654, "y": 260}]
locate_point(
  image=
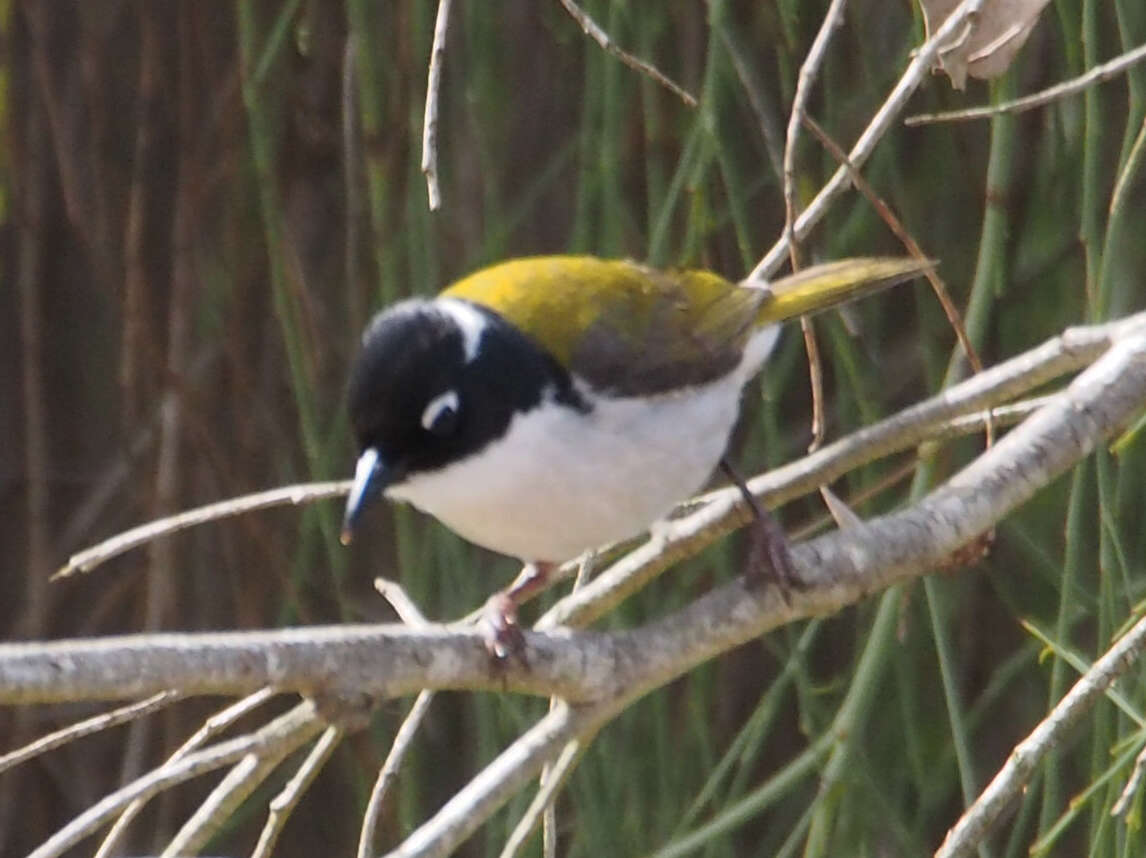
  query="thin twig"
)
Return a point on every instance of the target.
[
  {"x": 87, "y": 727},
  {"x": 285, "y": 802},
  {"x": 809, "y": 70},
  {"x": 843, "y": 515},
  {"x": 430, "y": 121},
  {"x": 974, "y": 825},
  {"x": 403, "y": 740},
  {"x": 959, "y": 427},
  {"x": 917, "y": 71},
  {"x": 500, "y": 780},
  {"x": 816, "y": 379},
  {"x": 1002, "y": 415},
  {"x": 89, "y": 558},
  {"x": 954, "y": 317},
  {"x": 897, "y": 228},
  {"x": 594, "y": 31},
  {"x": 1096, "y": 75},
  {"x": 1132, "y": 785},
  {"x": 400, "y": 601},
  {"x": 554, "y": 776}
]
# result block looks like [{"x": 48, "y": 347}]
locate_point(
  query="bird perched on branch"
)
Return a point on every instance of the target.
[{"x": 546, "y": 406}]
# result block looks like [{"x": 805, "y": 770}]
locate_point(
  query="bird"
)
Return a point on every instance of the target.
[{"x": 545, "y": 406}]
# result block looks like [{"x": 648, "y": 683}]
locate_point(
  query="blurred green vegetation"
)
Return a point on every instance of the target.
[{"x": 201, "y": 204}]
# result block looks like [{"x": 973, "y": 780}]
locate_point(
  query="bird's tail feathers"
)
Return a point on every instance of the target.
[{"x": 822, "y": 287}]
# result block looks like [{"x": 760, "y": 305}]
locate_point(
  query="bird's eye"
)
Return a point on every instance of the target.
[{"x": 441, "y": 415}]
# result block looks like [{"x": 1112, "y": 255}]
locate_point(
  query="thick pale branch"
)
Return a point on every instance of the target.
[{"x": 380, "y": 660}]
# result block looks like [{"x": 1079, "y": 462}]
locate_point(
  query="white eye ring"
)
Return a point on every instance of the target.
[{"x": 444, "y": 405}]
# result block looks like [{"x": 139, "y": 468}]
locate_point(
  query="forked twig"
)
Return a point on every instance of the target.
[
  {"x": 285, "y": 802},
  {"x": 915, "y": 73},
  {"x": 1096, "y": 75},
  {"x": 192, "y": 765}
]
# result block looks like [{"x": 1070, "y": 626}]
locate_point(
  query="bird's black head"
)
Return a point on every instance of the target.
[{"x": 434, "y": 382}]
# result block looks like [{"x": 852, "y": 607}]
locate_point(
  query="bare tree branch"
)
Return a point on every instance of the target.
[
  {"x": 103, "y": 721},
  {"x": 85, "y": 561},
  {"x": 966, "y": 836}
]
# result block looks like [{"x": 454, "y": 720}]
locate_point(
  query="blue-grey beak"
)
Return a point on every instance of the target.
[{"x": 369, "y": 482}]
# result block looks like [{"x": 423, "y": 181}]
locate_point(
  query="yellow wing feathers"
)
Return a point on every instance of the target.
[
  {"x": 633, "y": 329},
  {"x": 557, "y": 300}
]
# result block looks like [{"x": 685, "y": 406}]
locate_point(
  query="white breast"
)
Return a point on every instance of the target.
[{"x": 561, "y": 481}]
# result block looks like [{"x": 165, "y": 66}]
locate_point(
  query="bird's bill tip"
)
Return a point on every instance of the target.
[{"x": 366, "y": 485}]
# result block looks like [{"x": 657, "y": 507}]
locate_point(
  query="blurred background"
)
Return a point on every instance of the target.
[{"x": 201, "y": 203}]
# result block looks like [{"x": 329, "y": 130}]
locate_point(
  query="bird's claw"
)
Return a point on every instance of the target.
[
  {"x": 503, "y": 636},
  {"x": 770, "y": 557}
]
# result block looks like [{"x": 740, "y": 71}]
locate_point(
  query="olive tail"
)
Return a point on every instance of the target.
[{"x": 824, "y": 286}]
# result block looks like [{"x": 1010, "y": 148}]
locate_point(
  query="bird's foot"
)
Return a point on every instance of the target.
[
  {"x": 503, "y": 637},
  {"x": 502, "y": 631},
  {"x": 769, "y": 555}
]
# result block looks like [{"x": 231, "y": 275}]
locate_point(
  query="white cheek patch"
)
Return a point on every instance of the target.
[
  {"x": 471, "y": 322},
  {"x": 440, "y": 404}
]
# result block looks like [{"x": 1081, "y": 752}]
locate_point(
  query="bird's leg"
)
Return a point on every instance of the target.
[
  {"x": 770, "y": 549},
  {"x": 503, "y": 634}
]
